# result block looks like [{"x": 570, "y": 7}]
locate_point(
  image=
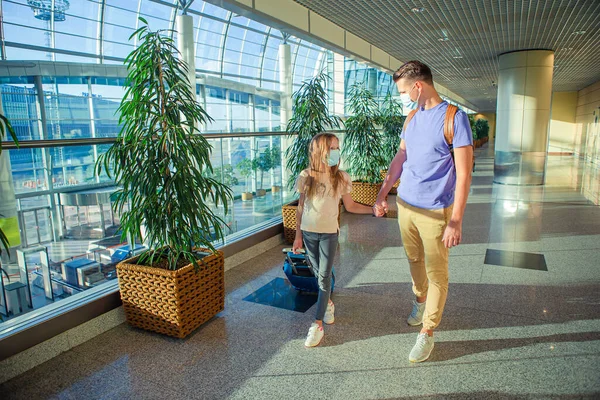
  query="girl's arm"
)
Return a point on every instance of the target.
[
  {"x": 354, "y": 207},
  {"x": 298, "y": 240}
]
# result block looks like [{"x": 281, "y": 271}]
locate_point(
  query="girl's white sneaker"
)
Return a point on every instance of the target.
[{"x": 315, "y": 335}]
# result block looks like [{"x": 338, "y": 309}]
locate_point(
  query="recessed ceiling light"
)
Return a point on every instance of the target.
[
  {"x": 418, "y": 9},
  {"x": 578, "y": 33}
]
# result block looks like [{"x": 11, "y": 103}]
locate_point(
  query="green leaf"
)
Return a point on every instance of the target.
[{"x": 159, "y": 156}]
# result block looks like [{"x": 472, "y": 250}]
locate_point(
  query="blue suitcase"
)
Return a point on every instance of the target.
[{"x": 299, "y": 272}]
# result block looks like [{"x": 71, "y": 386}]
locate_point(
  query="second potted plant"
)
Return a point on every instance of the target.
[
  {"x": 362, "y": 149},
  {"x": 245, "y": 168}
]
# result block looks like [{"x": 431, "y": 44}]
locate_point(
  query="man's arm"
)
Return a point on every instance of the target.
[
  {"x": 393, "y": 174},
  {"x": 463, "y": 160}
]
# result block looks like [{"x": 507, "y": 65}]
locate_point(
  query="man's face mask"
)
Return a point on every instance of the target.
[{"x": 407, "y": 102}]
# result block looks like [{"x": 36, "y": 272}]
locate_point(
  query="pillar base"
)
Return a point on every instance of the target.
[{"x": 519, "y": 168}]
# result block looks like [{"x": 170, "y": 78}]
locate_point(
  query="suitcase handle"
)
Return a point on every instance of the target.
[
  {"x": 291, "y": 262},
  {"x": 290, "y": 250}
]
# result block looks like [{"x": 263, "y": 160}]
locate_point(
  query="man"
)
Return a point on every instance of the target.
[{"x": 431, "y": 198}]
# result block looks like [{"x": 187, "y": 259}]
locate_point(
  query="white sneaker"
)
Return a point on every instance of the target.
[
  {"x": 329, "y": 318},
  {"x": 315, "y": 335},
  {"x": 416, "y": 315},
  {"x": 422, "y": 349}
]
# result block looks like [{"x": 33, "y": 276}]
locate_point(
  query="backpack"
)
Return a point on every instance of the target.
[{"x": 448, "y": 127}]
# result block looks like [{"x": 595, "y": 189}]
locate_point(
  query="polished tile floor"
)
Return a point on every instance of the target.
[{"x": 510, "y": 330}]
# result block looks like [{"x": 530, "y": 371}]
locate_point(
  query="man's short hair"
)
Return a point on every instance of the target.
[{"x": 414, "y": 71}]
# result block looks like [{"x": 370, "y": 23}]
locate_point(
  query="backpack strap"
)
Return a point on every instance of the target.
[
  {"x": 408, "y": 118},
  {"x": 449, "y": 124},
  {"x": 449, "y": 130}
]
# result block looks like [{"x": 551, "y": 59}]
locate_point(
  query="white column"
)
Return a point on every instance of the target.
[
  {"x": 285, "y": 83},
  {"x": 523, "y": 116},
  {"x": 285, "y": 86},
  {"x": 338, "y": 84},
  {"x": 185, "y": 45}
]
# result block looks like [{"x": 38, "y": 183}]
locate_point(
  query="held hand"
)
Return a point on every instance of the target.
[
  {"x": 452, "y": 234},
  {"x": 297, "y": 245},
  {"x": 380, "y": 208}
]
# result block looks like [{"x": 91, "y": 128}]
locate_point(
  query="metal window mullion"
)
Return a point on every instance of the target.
[
  {"x": 100, "y": 41},
  {"x": 294, "y": 60},
  {"x": 2, "y": 43},
  {"x": 228, "y": 112},
  {"x": 93, "y": 123},
  {"x": 252, "y": 105},
  {"x": 47, "y": 159},
  {"x": 262, "y": 59},
  {"x": 202, "y": 95},
  {"x": 242, "y": 52},
  {"x": 173, "y": 19},
  {"x": 137, "y": 23},
  {"x": 224, "y": 42},
  {"x": 52, "y": 31}
]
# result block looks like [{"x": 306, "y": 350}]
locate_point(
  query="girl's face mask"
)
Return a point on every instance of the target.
[{"x": 334, "y": 157}]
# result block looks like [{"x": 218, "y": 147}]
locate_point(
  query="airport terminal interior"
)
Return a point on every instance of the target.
[{"x": 522, "y": 316}]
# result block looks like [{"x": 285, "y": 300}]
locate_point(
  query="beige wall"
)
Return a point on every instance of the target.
[
  {"x": 562, "y": 123},
  {"x": 587, "y": 141},
  {"x": 588, "y": 103}
]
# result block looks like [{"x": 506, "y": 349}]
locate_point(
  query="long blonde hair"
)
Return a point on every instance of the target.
[{"x": 318, "y": 154}]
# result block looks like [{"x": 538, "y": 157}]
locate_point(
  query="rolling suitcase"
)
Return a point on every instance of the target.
[{"x": 299, "y": 272}]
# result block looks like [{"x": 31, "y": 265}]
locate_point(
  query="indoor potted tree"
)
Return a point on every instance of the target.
[
  {"x": 392, "y": 122},
  {"x": 262, "y": 163},
  {"x": 225, "y": 174},
  {"x": 310, "y": 116},
  {"x": 362, "y": 149},
  {"x": 245, "y": 168},
  {"x": 275, "y": 156},
  {"x": 482, "y": 129},
  {"x": 158, "y": 161}
]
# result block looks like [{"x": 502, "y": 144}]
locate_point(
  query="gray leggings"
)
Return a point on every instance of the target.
[{"x": 320, "y": 249}]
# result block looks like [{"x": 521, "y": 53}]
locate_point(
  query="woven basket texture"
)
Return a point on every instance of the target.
[
  {"x": 173, "y": 303},
  {"x": 365, "y": 193}
]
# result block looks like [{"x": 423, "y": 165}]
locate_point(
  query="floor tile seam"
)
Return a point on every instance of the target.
[{"x": 430, "y": 364}]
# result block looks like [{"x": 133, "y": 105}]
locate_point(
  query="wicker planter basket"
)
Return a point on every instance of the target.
[
  {"x": 174, "y": 303},
  {"x": 365, "y": 193},
  {"x": 394, "y": 189},
  {"x": 288, "y": 212}
]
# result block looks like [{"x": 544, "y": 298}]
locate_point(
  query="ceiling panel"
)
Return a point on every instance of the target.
[{"x": 461, "y": 39}]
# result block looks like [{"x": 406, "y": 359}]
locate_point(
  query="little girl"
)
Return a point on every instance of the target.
[{"x": 321, "y": 186}]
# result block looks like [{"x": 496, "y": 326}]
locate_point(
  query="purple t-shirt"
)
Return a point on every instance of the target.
[{"x": 428, "y": 176}]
